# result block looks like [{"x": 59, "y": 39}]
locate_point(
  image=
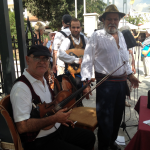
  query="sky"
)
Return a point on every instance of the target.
[{"x": 139, "y": 5}]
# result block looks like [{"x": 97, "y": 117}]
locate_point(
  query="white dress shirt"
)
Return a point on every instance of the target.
[
  {"x": 59, "y": 37},
  {"x": 21, "y": 99},
  {"x": 102, "y": 53},
  {"x": 65, "y": 46}
]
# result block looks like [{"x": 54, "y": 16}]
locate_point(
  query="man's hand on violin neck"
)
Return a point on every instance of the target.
[
  {"x": 86, "y": 91},
  {"x": 62, "y": 116}
]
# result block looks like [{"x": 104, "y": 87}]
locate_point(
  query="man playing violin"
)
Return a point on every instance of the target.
[
  {"x": 31, "y": 89},
  {"x": 106, "y": 50}
]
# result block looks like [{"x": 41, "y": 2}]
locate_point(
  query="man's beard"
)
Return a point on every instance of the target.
[{"x": 111, "y": 30}]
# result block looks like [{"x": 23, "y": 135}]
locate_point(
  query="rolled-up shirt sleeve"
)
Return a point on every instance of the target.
[
  {"x": 128, "y": 68},
  {"x": 64, "y": 56},
  {"x": 57, "y": 41},
  {"x": 87, "y": 66},
  {"x": 21, "y": 97}
]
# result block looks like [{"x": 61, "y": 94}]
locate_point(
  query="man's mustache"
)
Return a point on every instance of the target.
[
  {"x": 112, "y": 25},
  {"x": 41, "y": 66}
]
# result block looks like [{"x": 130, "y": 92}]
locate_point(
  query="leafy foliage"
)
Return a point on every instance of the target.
[
  {"x": 49, "y": 10},
  {"x": 135, "y": 20},
  {"x": 95, "y": 6},
  {"x": 13, "y": 24},
  {"x": 53, "y": 10}
]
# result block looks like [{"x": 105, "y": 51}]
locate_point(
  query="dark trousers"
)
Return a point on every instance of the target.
[
  {"x": 65, "y": 138},
  {"x": 110, "y": 103}
]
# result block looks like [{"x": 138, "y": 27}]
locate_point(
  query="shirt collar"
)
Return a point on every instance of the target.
[
  {"x": 75, "y": 39},
  {"x": 31, "y": 78},
  {"x": 119, "y": 35}
]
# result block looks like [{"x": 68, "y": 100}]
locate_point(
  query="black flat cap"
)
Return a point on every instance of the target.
[{"x": 39, "y": 50}]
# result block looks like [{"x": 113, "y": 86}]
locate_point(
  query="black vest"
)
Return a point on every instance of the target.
[
  {"x": 83, "y": 42},
  {"x": 30, "y": 136}
]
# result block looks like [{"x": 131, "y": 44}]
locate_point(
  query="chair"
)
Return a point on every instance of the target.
[{"x": 8, "y": 133}]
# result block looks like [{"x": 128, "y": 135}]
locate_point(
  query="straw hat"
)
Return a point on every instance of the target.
[
  {"x": 54, "y": 32},
  {"x": 111, "y": 9}
]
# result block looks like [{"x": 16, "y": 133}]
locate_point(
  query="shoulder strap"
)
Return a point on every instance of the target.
[
  {"x": 35, "y": 98},
  {"x": 83, "y": 41},
  {"x": 51, "y": 91},
  {"x": 63, "y": 33},
  {"x": 71, "y": 42}
]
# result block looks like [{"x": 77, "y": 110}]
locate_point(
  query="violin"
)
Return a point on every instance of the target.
[
  {"x": 50, "y": 77},
  {"x": 65, "y": 98}
]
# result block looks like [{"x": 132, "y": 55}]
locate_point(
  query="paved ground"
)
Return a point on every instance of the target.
[{"x": 131, "y": 116}]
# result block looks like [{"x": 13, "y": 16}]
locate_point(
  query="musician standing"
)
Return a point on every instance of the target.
[
  {"x": 74, "y": 41},
  {"x": 59, "y": 65},
  {"x": 30, "y": 89},
  {"x": 106, "y": 50}
]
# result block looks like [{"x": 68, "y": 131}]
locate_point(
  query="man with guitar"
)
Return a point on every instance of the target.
[
  {"x": 51, "y": 132},
  {"x": 75, "y": 43}
]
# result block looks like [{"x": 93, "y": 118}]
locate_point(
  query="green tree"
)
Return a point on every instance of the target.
[
  {"x": 53, "y": 10},
  {"x": 95, "y": 6},
  {"x": 49, "y": 10},
  {"x": 13, "y": 24},
  {"x": 135, "y": 20}
]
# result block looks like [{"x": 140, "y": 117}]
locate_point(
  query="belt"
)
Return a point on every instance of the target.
[{"x": 119, "y": 78}]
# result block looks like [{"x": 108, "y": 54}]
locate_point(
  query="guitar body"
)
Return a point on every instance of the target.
[{"x": 75, "y": 68}]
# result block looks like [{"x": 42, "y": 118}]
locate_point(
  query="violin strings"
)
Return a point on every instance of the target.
[
  {"x": 64, "y": 102},
  {"x": 105, "y": 78}
]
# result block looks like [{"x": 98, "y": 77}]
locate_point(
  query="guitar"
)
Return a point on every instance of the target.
[{"x": 78, "y": 53}]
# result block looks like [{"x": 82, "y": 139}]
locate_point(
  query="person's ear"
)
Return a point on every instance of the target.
[
  {"x": 62, "y": 22},
  {"x": 27, "y": 60}
]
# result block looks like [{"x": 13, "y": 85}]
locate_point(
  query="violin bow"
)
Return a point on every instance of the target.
[{"x": 99, "y": 83}]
